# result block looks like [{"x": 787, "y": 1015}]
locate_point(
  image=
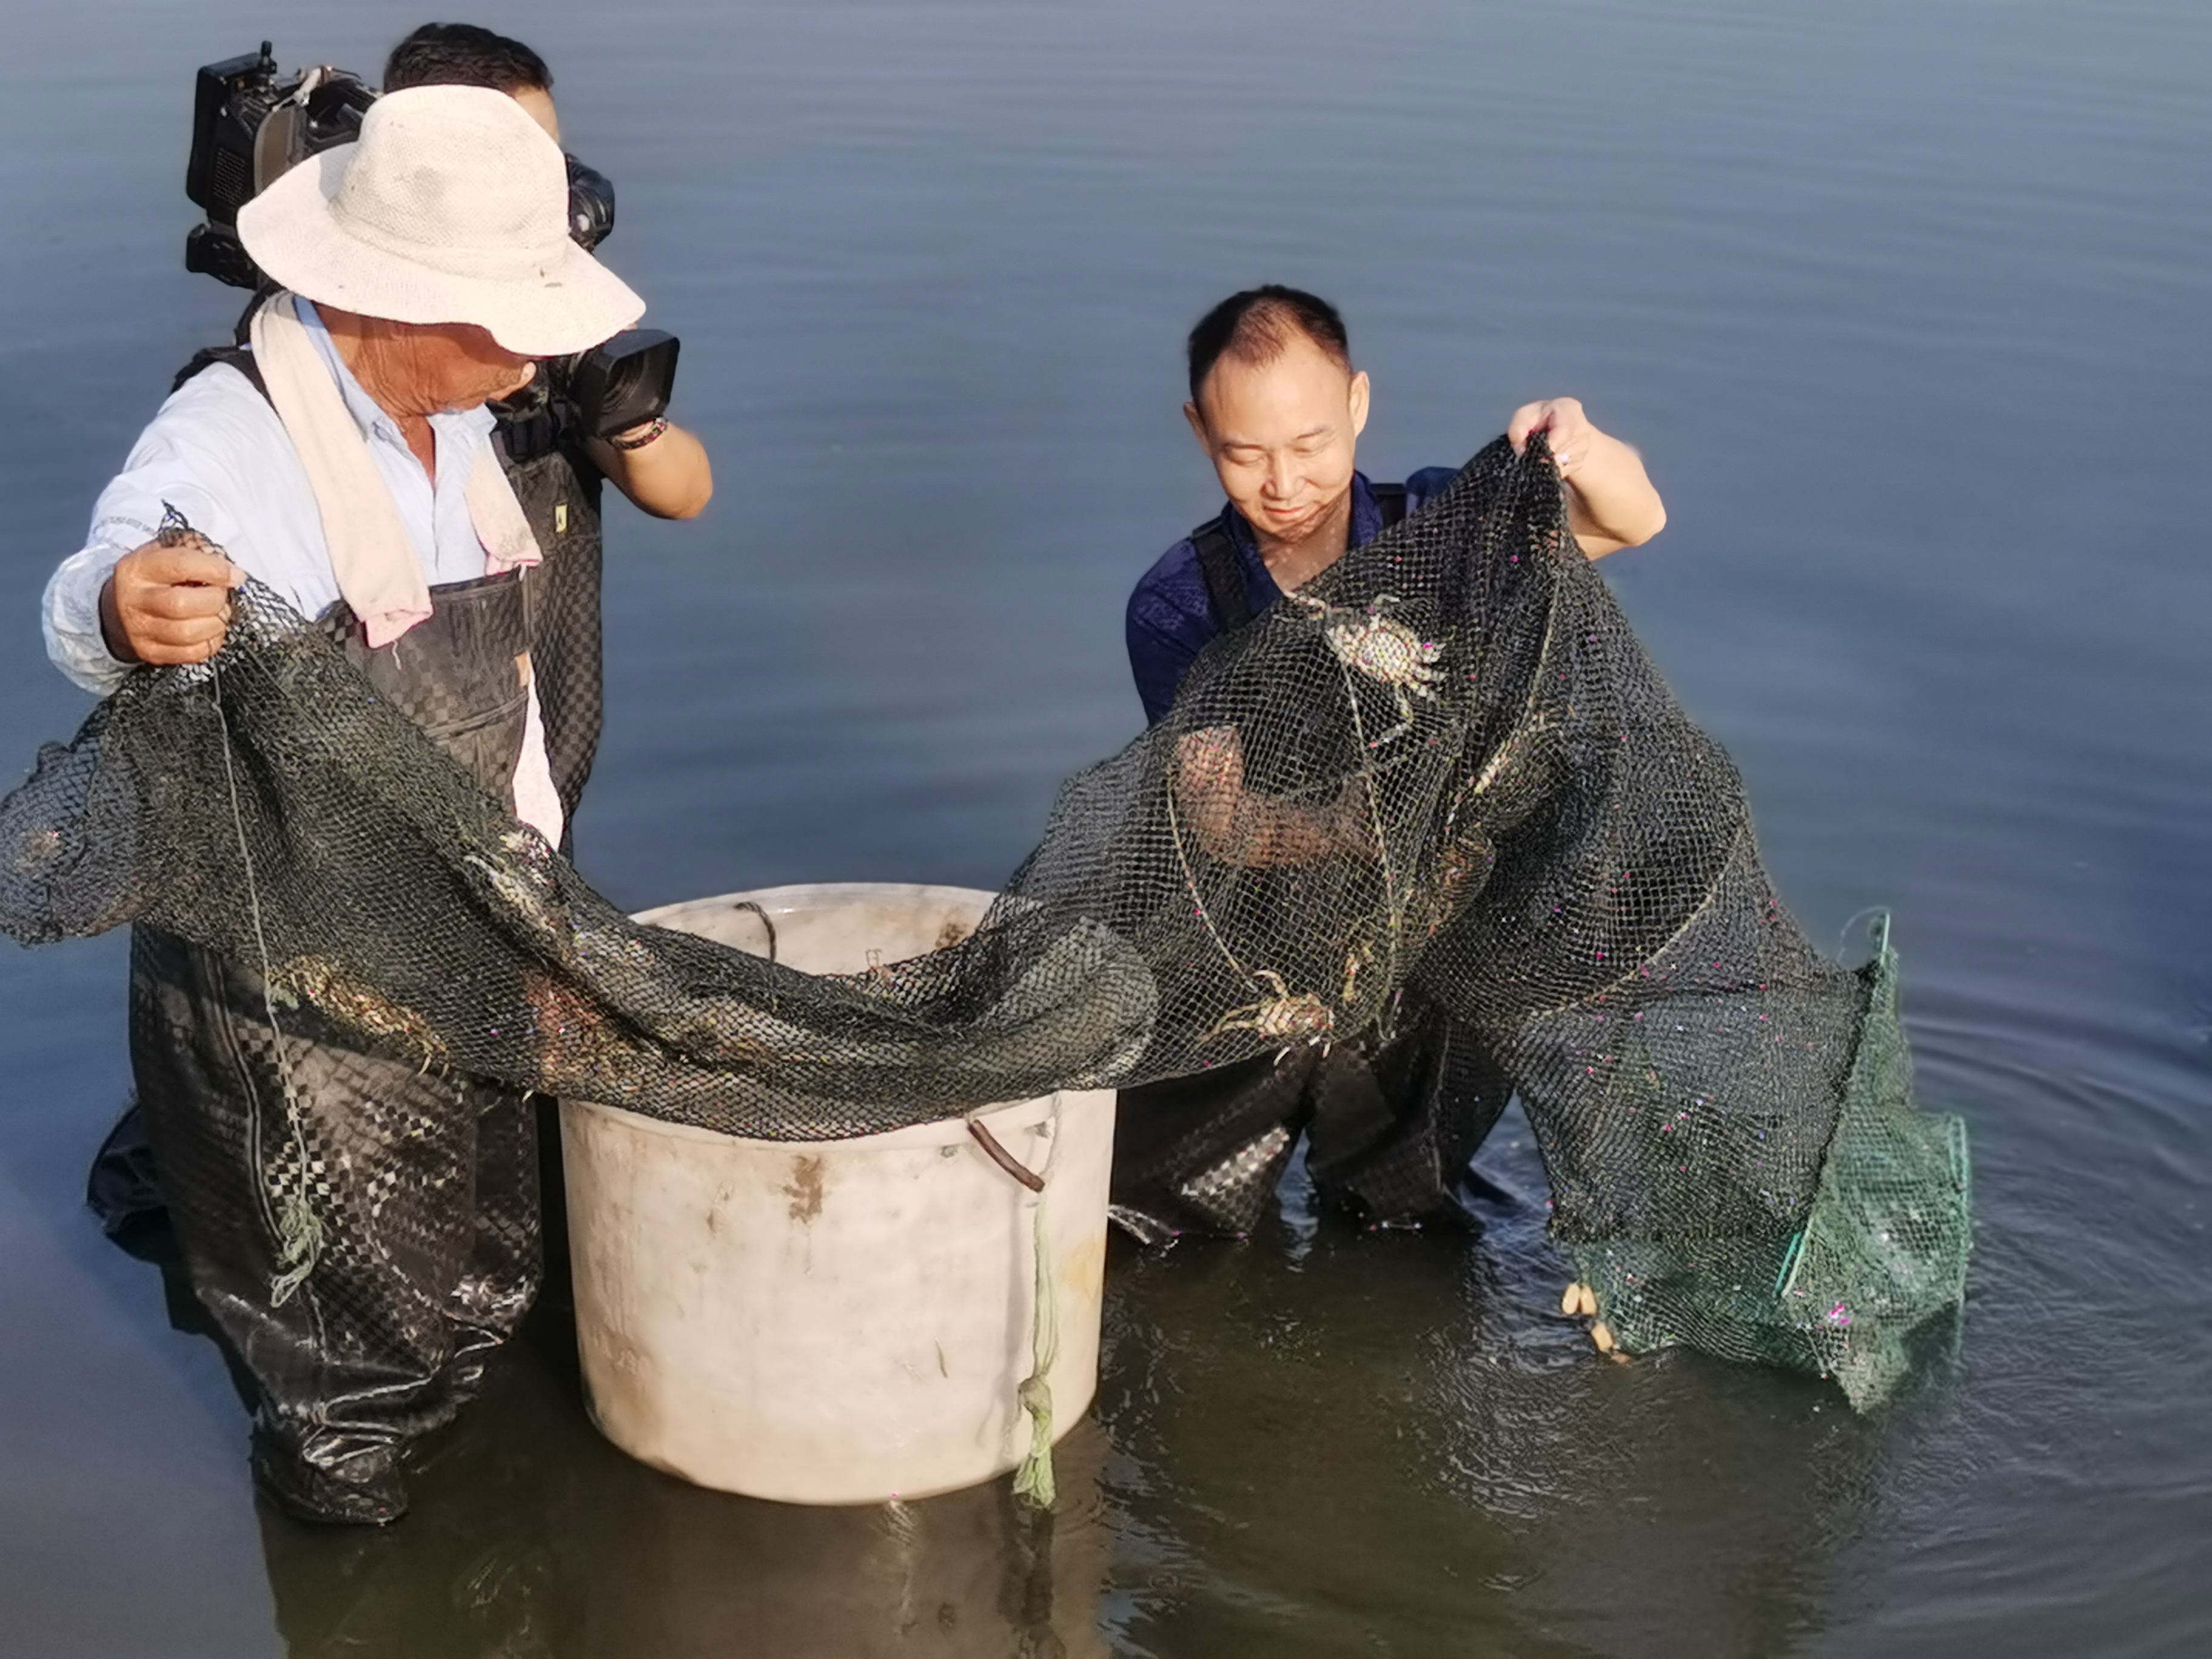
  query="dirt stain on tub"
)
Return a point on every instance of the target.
[{"x": 805, "y": 1188}]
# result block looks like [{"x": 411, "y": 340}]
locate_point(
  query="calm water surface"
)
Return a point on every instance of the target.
[{"x": 1905, "y": 301}]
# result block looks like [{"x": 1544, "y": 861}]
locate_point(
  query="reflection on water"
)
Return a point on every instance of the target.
[
  {"x": 531, "y": 1536},
  {"x": 1381, "y": 1441},
  {"x": 1313, "y": 1442}
]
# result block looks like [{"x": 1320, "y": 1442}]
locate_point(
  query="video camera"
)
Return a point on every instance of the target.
[{"x": 250, "y": 127}]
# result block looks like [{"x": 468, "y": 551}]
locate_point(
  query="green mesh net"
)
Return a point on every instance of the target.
[
  {"x": 1444, "y": 774},
  {"x": 1882, "y": 1247}
]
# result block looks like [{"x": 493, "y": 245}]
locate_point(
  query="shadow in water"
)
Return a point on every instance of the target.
[
  {"x": 1311, "y": 1443},
  {"x": 1328, "y": 1443},
  {"x": 530, "y": 1535}
]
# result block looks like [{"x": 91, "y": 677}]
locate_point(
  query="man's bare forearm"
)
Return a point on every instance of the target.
[
  {"x": 1237, "y": 825},
  {"x": 1611, "y": 500},
  {"x": 670, "y": 478}
]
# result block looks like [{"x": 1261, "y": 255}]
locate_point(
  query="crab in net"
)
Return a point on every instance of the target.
[
  {"x": 1287, "y": 1017},
  {"x": 1290, "y": 1017},
  {"x": 1383, "y": 648}
]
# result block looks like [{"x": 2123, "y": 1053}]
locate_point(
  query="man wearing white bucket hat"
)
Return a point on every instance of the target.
[
  {"x": 557, "y": 453},
  {"x": 359, "y": 1250}
]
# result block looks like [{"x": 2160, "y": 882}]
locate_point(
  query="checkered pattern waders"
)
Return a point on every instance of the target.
[{"x": 420, "y": 1185}]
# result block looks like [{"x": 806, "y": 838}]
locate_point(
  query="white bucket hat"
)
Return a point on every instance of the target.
[{"x": 453, "y": 207}]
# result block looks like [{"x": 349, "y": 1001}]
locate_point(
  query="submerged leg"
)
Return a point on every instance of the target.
[
  {"x": 1392, "y": 1143},
  {"x": 1203, "y": 1153},
  {"x": 500, "y": 1277},
  {"x": 351, "y": 1366}
]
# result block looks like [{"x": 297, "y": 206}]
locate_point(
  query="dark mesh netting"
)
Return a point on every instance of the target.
[{"x": 1444, "y": 774}]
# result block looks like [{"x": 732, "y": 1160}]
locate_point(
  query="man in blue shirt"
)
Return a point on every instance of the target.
[{"x": 1278, "y": 407}]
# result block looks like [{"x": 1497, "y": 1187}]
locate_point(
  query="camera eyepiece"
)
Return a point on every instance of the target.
[{"x": 590, "y": 205}]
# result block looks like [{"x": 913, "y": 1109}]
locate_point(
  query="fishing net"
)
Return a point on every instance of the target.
[{"x": 1443, "y": 775}]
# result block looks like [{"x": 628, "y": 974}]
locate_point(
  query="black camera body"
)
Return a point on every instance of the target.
[
  {"x": 249, "y": 127},
  {"x": 594, "y": 394},
  {"x": 252, "y": 124}
]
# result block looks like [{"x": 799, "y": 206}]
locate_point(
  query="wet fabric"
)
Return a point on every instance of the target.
[
  {"x": 1458, "y": 778},
  {"x": 124, "y": 1189},
  {"x": 1389, "y": 1128},
  {"x": 423, "y": 1187},
  {"x": 459, "y": 677}
]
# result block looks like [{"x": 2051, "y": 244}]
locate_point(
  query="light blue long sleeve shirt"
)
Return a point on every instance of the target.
[{"x": 218, "y": 453}]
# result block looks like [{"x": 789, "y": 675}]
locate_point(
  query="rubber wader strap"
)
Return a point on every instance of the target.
[
  {"x": 1225, "y": 576},
  {"x": 237, "y": 356}
]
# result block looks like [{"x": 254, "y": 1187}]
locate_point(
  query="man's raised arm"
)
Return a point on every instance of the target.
[{"x": 1611, "y": 502}]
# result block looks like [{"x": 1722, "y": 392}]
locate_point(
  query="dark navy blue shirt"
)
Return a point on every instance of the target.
[{"x": 1172, "y": 619}]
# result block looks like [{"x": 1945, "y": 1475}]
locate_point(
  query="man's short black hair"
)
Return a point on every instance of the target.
[
  {"x": 1255, "y": 325},
  {"x": 463, "y": 55}
]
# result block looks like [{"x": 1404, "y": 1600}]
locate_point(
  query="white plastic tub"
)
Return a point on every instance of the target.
[{"x": 836, "y": 1322}]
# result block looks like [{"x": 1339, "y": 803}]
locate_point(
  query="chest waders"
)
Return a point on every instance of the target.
[
  {"x": 1390, "y": 1122},
  {"x": 560, "y": 492},
  {"x": 359, "y": 1251}
]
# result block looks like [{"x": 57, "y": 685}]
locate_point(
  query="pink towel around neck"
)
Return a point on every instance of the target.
[{"x": 371, "y": 552}]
